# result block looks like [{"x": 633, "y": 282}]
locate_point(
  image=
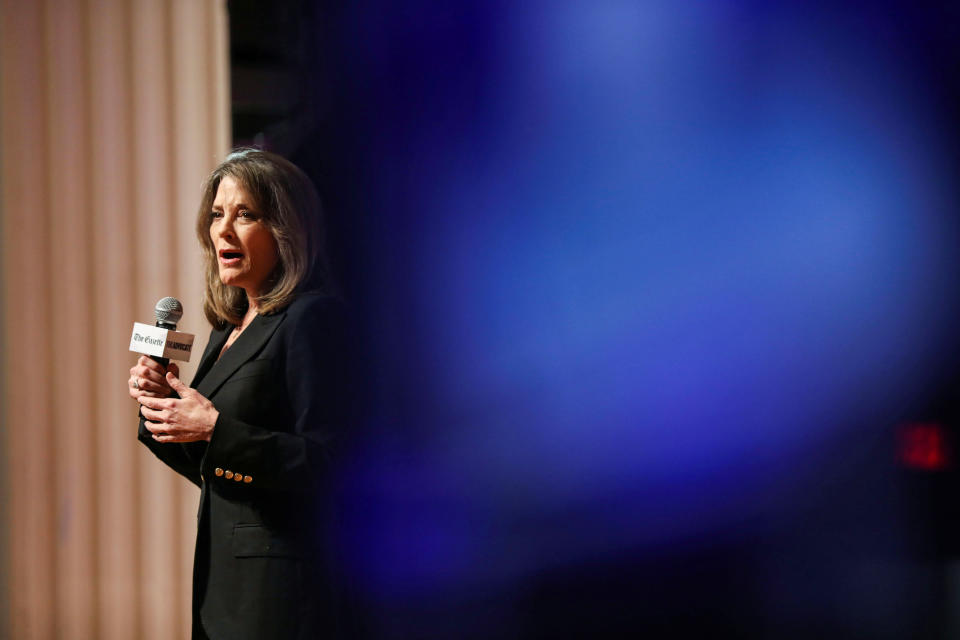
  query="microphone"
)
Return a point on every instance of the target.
[
  {"x": 163, "y": 342},
  {"x": 168, "y": 312}
]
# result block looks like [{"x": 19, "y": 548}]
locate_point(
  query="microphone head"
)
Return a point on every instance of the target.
[{"x": 168, "y": 311}]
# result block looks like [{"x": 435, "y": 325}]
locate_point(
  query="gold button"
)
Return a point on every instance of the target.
[
  {"x": 247, "y": 479},
  {"x": 202, "y": 479},
  {"x": 238, "y": 477},
  {"x": 228, "y": 474},
  {"x": 218, "y": 471}
]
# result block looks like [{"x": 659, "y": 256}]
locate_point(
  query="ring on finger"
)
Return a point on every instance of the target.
[{"x": 136, "y": 384}]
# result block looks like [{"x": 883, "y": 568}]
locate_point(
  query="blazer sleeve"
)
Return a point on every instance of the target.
[
  {"x": 184, "y": 458},
  {"x": 176, "y": 456},
  {"x": 316, "y": 386}
]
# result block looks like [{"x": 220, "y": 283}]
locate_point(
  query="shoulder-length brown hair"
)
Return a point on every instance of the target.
[{"x": 289, "y": 205}]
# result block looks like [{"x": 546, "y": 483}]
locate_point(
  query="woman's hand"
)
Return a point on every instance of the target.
[
  {"x": 147, "y": 379},
  {"x": 188, "y": 419}
]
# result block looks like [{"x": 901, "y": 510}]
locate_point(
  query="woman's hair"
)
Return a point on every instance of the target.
[{"x": 289, "y": 206}]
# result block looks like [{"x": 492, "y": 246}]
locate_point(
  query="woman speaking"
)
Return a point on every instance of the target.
[{"x": 256, "y": 428}]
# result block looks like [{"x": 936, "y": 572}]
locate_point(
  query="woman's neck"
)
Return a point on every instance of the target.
[
  {"x": 252, "y": 309},
  {"x": 248, "y": 317}
]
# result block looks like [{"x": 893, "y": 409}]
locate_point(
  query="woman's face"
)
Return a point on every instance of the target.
[{"x": 246, "y": 250}]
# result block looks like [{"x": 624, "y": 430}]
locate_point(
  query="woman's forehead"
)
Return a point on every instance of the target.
[{"x": 233, "y": 190}]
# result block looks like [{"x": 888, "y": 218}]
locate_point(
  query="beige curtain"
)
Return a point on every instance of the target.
[{"x": 111, "y": 114}]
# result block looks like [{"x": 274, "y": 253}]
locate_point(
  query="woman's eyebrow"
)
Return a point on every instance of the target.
[{"x": 239, "y": 205}]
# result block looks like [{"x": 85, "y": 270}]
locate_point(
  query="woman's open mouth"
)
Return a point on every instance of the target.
[{"x": 230, "y": 257}]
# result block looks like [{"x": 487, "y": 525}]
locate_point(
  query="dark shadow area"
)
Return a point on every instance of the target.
[{"x": 648, "y": 295}]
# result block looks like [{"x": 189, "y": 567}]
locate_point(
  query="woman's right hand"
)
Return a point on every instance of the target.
[{"x": 148, "y": 378}]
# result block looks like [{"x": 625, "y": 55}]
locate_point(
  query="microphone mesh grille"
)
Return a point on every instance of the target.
[{"x": 168, "y": 310}]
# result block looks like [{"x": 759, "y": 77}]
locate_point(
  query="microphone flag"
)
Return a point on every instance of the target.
[{"x": 161, "y": 343}]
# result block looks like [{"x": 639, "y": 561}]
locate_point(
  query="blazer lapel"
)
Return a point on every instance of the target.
[
  {"x": 214, "y": 345},
  {"x": 245, "y": 348},
  {"x": 195, "y": 450}
]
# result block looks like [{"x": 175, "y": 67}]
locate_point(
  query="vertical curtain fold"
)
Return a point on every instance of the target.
[{"x": 111, "y": 113}]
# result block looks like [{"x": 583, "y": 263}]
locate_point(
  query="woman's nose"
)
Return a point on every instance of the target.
[{"x": 225, "y": 227}]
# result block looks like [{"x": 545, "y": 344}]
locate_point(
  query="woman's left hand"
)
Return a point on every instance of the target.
[{"x": 189, "y": 418}]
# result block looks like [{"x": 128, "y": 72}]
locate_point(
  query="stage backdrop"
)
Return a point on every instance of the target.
[{"x": 112, "y": 113}]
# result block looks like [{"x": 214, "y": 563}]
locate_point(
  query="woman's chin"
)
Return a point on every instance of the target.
[
  {"x": 229, "y": 282},
  {"x": 230, "y": 278}
]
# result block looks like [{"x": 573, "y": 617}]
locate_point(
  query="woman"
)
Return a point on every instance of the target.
[{"x": 267, "y": 404}]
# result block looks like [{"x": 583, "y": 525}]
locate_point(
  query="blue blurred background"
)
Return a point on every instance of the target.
[{"x": 648, "y": 290}]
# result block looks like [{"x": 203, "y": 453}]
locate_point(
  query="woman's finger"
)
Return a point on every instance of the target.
[
  {"x": 148, "y": 394},
  {"x": 147, "y": 373},
  {"x": 162, "y": 433},
  {"x": 147, "y": 379},
  {"x": 156, "y": 415},
  {"x": 151, "y": 364},
  {"x": 149, "y": 391},
  {"x": 176, "y": 384},
  {"x": 146, "y": 384},
  {"x": 153, "y": 427},
  {"x": 157, "y": 403},
  {"x": 166, "y": 437},
  {"x": 150, "y": 379},
  {"x": 134, "y": 387}
]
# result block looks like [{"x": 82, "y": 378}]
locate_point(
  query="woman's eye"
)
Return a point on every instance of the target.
[
  {"x": 249, "y": 215},
  {"x": 216, "y": 215}
]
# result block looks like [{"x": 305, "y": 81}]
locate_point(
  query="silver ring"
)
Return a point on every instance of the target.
[{"x": 136, "y": 384}]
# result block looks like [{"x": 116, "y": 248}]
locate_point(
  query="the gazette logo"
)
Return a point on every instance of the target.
[{"x": 148, "y": 340}]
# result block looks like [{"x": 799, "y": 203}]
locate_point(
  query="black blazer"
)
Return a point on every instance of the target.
[{"x": 259, "y": 564}]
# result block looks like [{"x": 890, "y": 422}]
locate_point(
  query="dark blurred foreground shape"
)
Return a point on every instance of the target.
[{"x": 650, "y": 291}]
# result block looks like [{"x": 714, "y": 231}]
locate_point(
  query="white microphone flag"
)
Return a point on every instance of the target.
[{"x": 161, "y": 343}]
